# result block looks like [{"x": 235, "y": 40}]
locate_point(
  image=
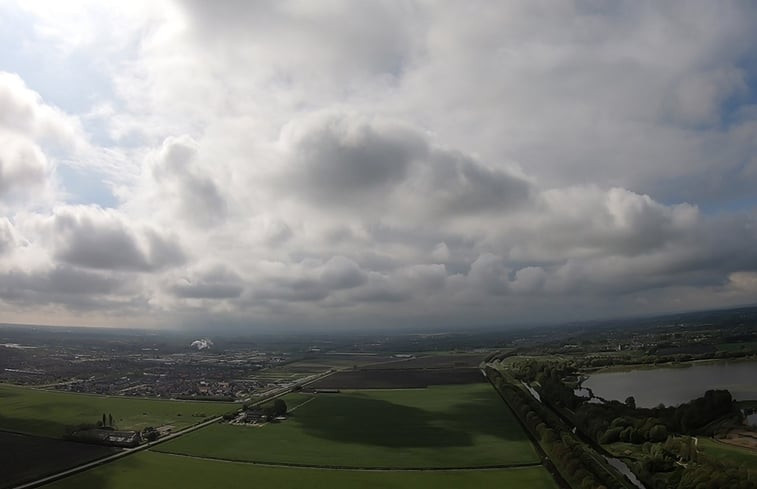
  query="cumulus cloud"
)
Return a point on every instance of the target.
[
  {"x": 23, "y": 112},
  {"x": 95, "y": 238},
  {"x": 343, "y": 158},
  {"x": 24, "y": 169},
  {"x": 181, "y": 183},
  {"x": 470, "y": 163}
]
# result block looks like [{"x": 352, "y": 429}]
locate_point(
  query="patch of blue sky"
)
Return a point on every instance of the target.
[
  {"x": 75, "y": 81},
  {"x": 85, "y": 187}
]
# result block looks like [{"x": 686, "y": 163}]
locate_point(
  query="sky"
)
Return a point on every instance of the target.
[{"x": 403, "y": 164}]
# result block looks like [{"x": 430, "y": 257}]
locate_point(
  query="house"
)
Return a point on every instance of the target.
[{"x": 113, "y": 438}]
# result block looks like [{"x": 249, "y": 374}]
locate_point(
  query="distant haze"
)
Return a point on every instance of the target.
[{"x": 347, "y": 165}]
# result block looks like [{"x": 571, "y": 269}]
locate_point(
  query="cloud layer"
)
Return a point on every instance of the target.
[{"x": 382, "y": 164}]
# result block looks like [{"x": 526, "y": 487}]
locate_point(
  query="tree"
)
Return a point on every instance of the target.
[
  {"x": 658, "y": 433},
  {"x": 279, "y": 407},
  {"x": 150, "y": 434},
  {"x": 631, "y": 402}
]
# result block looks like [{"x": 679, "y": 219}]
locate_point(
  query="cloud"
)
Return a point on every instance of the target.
[
  {"x": 24, "y": 169},
  {"x": 101, "y": 239},
  {"x": 340, "y": 159},
  {"x": 216, "y": 283},
  {"x": 395, "y": 164},
  {"x": 8, "y": 237},
  {"x": 72, "y": 288},
  {"x": 341, "y": 273},
  {"x": 23, "y": 112},
  {"x": 180, "y": 182},
  {"x": 347, "y": 157}
]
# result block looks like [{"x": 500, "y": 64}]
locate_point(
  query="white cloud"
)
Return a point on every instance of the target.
[{"x": 457, "y": 164}]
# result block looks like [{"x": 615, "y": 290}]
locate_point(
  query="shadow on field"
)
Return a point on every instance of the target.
[
  {"x": 48, "y": 427},
  {"x": 369, "y": 421},
  {"x": 27, "y": 458},
  {"x": 478, "y": 413}
]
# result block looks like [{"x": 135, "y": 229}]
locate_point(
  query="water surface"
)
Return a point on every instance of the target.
[{"x": 676, "y": 385}]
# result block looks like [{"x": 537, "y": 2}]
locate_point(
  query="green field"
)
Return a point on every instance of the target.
[
  {"x": 729, "y": 453},
  {"x": 745, "y": 346},
  {"x": 46, "y": 413},
  {"x": 440, "y": 426},
  {"x": 150, "y": 470}
]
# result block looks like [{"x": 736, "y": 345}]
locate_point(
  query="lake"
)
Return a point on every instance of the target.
[{"x": 673, "y": 386}]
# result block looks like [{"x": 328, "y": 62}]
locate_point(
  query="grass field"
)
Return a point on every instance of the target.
[
  {"x": 395, "y": 378},
  {"x": 440, "y": 426},
  {"x": 151, "y": 470},
  {"x": 729, "y": 453},
  {"x": 745, "y": 346},
  {"x": 46, "y": 413}
]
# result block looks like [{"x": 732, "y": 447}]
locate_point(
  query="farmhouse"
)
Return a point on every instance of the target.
[{"x": 126, "y": 439}]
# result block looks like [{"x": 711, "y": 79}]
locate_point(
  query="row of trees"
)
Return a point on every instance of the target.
[
  {"x": 664, "y": 461},
  {"x": 572, "y": 458},
  {"x": 638, "y": 424},
  {"x": 106, "y": 422}
]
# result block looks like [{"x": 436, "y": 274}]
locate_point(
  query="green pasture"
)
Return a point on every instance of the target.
[
  {"x": 440, "y": 426},
  {"x": 150, "y": 470},
  {"x": 47, "y": 413},
  {"x": 732, "y": 347},
  {"x": 729, "y": 453}
]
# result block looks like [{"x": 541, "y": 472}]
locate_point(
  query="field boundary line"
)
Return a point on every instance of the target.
[
  {"x": 301, "y": 404},
  {"x": 356, "y": 469}
]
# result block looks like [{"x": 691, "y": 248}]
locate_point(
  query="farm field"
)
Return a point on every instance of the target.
[
  {"x": 395, "y": 378},
  {"x": 729, "y": 453},
  {"x": 27, "y": 457},
  {"x": 152, "y": 470},
  {"x": 46, "y": 413},
  {"x": 439, "y": 360},
  {"x": 440, "y": 426}
]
